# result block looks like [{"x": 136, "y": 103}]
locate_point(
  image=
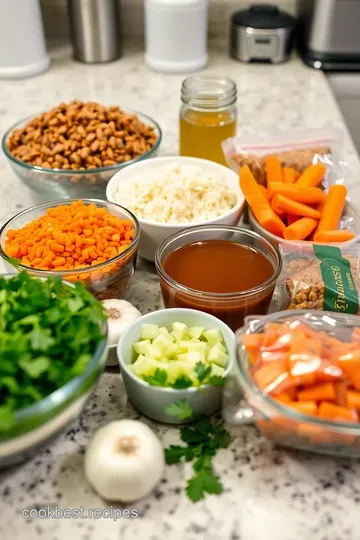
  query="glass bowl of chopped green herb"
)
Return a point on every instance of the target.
[{"x": 53, "y": 348}]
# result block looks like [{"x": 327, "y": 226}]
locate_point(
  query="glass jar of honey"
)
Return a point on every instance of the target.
[{"x": 207, "y": 117}]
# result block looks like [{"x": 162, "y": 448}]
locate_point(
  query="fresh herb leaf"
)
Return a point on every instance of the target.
[
  {"x": 182, "y": 382},
  {"x": 202, "y": 371},
  {"x": 216, "y": 380},
  {"x": 192, "y": 436},
  {"x": 41, "y": 339},
  {"x": 222, "y": 437},
  {"x": 159, "y": 378},
  {"x": 35, "y": 368},
  {"x": 203, "y": 482},
  {"x": 174, "y": 454},
  {"x": 180, "y": 409}
]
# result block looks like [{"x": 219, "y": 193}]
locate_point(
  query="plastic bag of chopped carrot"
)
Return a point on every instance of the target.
[
  {"x": 321, "y": 277},
  {"x": 284, "y": 156},
  {"x": 308, "y": 364}
]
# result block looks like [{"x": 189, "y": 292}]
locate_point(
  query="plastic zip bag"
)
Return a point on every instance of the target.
[
  {"x": 297, "y": 149},
  {"x": 321, "y": 277}
]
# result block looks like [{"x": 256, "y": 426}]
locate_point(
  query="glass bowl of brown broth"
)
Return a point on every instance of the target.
[{"x": 228, "y": 272}]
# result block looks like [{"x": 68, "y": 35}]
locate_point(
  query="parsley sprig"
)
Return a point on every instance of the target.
[{"x": 203, "y": 438}]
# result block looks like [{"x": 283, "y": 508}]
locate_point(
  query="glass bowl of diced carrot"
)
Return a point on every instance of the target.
[
  {"x": 291, "y": 208},
  {"x": 87, "y": 240},
  {"x": 297, "y": 377}
]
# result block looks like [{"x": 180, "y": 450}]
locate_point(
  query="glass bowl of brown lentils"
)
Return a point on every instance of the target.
[{"x": 74, "y": 149}]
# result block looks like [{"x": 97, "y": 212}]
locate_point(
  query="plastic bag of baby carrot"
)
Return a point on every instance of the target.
[
  {"x": 284, "y": 156},
  {"x": 321, "y": 277}
]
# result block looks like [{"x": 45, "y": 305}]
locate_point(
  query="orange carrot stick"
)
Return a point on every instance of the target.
[
  {"x": 300, "y": 229},
  {"x": 273, "y": 170},
  {"x": 258, "y": 203},
  {"x": 289, "y": 175},
  {"x": 330, "y": 411},
  {"x": 319, "y": 207},
  {"x": 302, "y": 194},
  {"x": 312, "y": 176},
  {"x": 333, "y": 236},
  {"x": 318, "y": 392},
  {"x": 292, "y": 207},
  {"x": 333, "y": 209},
  {"x": 264, "y": 191}
]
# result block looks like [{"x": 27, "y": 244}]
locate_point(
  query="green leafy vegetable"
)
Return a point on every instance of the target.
[
  {"x": 202, "y": 371},
  {"x": 203, "y": 482},
  {"x": 159, "y": 377},
  {"x": 49, "y": 331},
  {"x": 182, "y": 382},
  {"x": 180, "y": 409},
  {"x": 203, "y": 438}
]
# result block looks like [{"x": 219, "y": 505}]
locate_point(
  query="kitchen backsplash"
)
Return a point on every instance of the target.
[{"x": 56, "y": 25}]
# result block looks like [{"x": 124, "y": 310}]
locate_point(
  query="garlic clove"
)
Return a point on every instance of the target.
[
  {"x": 120, "y": 314},
  {"x": 124, "y": 461}
]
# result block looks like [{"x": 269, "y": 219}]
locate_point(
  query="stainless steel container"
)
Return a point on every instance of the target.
[{"x": 95, "y": 30}]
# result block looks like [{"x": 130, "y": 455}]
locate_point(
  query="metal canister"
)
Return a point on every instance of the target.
[{"x": 95, "y": 30}]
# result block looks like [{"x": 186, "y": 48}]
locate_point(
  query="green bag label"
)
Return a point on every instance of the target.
[{"x": 340, "y": 292}]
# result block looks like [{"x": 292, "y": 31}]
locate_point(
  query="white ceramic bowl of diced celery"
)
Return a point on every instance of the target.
[{"x": 176, "y": 359}]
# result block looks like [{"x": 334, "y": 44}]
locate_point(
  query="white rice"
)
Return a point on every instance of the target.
[{"x": 176, "y": 193}]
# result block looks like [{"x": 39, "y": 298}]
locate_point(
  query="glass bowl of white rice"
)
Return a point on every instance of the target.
[{"x": 169, "y": 194}]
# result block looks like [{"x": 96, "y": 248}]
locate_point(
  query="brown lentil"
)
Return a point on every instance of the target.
[{"x": 81, "y": 136}]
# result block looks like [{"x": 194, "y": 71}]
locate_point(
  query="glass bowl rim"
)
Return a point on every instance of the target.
[
  {"x": 70, "y": 172},
  {"x": 86, "y": 270},
  {"x": 218, "y": 296},
  {"x": 60, "y": 394},
  {"x": 248, "y": 382}
]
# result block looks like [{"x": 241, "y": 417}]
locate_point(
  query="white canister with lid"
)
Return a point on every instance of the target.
[
  {"x": 176, "y": 35},
  {"x": 22, "y": 41}
]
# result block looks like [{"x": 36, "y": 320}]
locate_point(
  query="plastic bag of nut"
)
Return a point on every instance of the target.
[
  {"x": 296, "y": 149},
  {"x": 322, "y": 277}
]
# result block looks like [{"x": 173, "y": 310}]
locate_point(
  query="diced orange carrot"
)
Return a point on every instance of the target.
[
  {"x": 273, "y": 376},
  {"x": 330, "y": 411},
  {"x": 353, "y": 399},
  {"x": 318, "y": 392},
  {"x": 305, "y": 407}
]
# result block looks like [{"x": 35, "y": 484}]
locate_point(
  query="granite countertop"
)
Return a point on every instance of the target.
[{"x": 270, "y": 493}]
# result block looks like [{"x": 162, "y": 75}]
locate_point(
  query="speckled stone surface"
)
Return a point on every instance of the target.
[{"x": 270, "y": 493}]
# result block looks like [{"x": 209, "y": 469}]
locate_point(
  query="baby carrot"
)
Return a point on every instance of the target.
[
  {"x": 264, "y": 191},
  {"x": 292, "y": 207},
  {"x": 289, "y": 175},
  {"x": 333, "y": 209},
  {"x": 312, "y": 176},
  {"x": 334, "y": 236},
  {"x": 273, "y": 170},
  {"x": 302, "y": 194},
  {"x": 301, "y": 229},
  {"x": 258, "y": 203}
]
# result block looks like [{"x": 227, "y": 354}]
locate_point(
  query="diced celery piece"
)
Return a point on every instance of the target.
[
  {"x": 213, "y": 336},
  {"x": 192, "y": 357},
  {"x": 217, "y": 370},
  {"x": 218, "y": 356},
  {"x": 195, "y": 331},
  {"x": 149, "y": 331},
  {"x": 178, "y": 330},
  {"x": 162, "y": 342},
  {"x": 163, "y": 331},
  {"x": 141, "y": 346},
  {"x": 198, "y": 346}
]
